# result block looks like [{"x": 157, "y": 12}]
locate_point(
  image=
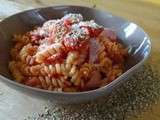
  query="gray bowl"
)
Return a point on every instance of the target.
[{"x": 131, "y": 35}]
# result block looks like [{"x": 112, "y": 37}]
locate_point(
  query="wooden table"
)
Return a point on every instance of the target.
[{"x": 145, "y": 13}]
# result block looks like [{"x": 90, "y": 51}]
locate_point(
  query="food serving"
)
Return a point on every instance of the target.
[{"x": 67, "y": 54}]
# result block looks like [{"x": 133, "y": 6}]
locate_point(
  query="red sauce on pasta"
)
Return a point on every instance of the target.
[
  {"x": 57, "y": 75},
  {"x": 56, "y": 58},
  {"x": 67, "y": 54}
]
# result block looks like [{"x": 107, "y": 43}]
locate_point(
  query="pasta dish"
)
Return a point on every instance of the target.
[{"x": 67, "y": 54}]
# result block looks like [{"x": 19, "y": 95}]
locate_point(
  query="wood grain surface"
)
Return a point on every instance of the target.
[{"x": 146, "y": 13}]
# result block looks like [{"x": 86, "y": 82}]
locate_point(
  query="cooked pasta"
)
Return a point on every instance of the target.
[
  {"x": 47, "y": 52},
  {"x": 26, "y": 54},
  {"x": 14, "y": 68},
  {"x": 67, "y": 54},
  {"x": 104, "y": 61}
]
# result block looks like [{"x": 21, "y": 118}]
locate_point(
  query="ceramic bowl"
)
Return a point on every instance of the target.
[{"x": 130, "y": 34}]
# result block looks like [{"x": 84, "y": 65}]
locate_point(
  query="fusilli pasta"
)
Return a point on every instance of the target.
[{"x": 67, "y": 54}]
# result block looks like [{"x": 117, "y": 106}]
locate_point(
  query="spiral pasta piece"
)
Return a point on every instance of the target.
[
  {"x": 49, "y": 70},
  {"x": 23, "y": 39},
  {"x": 26, "y": 54},
  {"x": 74, "y": 74},
  {"x": 114, "y": 49},
  {"x": 15, "y": 71},
  {"x": 42, "y": 55},
  {"x": 104, "y": 61},
  {"x": 58, "y": 69},
  {"x": 30, "y": 70},
  {"x": 50, "y": 82},
  {"x": 71, "y": 59},
  {"x": 114, "y": 73},
  {"x": 85, "y": 70}
]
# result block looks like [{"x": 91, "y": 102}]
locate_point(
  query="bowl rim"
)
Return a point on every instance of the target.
[{"x": 12, "y": 81}]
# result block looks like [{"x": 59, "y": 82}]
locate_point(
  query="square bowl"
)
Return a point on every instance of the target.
[{"x": 129, "y": 34}]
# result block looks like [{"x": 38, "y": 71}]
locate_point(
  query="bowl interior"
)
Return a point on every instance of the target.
[{"x": 128, "y": 33}]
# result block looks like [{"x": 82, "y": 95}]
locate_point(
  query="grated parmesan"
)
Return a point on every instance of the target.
[
  {"x": 74, "y": 18},
  {"x": 56, "y": 30}
]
